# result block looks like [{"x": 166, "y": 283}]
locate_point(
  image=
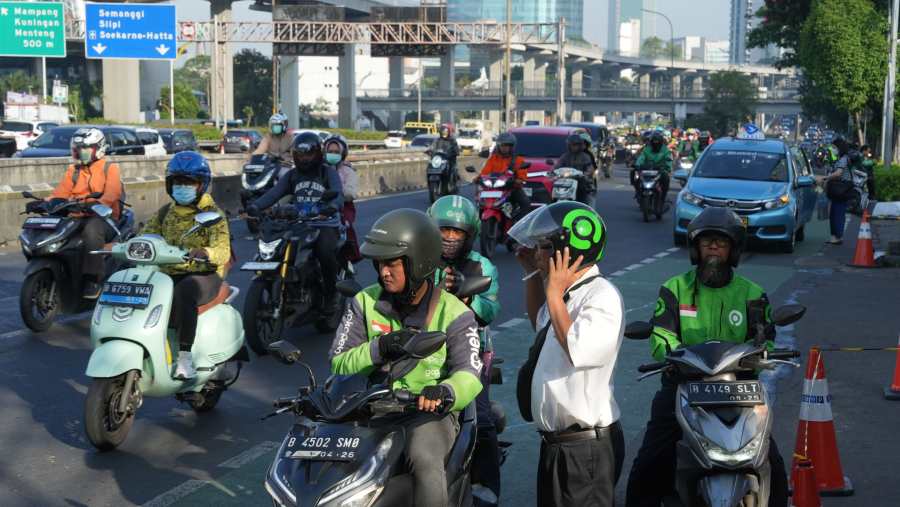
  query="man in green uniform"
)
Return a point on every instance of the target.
[
  {"x": 706, "y": 303},
  {"x": 655, "y": 155},
  {"x": 405, "y": 247}
]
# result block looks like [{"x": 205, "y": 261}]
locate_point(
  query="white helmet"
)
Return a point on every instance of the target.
[
  {"x": 278, "y": 118},
  {"x": 89, "y": 138}
]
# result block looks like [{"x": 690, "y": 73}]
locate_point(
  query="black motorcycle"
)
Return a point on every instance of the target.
[
  {"x": 650, "y": 192},
  {"x": 258, "y": 177},
  {"x": 443, "y": 178},
  {"x": 348, "y": 437},
  {"x": 53, "y": 277},
  {"x": 607, "y": 157},
  {"x": 288, "y": 285}
]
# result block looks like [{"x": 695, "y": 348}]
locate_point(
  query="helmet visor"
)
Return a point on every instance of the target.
[{"x": 536, "y": 229}]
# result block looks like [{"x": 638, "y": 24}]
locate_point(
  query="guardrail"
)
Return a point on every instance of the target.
[
  {"x": 550, "y": 90},
  {"x": 354, "y": 145}
]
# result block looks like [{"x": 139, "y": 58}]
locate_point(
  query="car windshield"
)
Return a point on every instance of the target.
[
  {"x": 742, "y": 165},
  {"x": 535, "y": 145},
  {"x": 56, "y": 138},
  {"x": 422, "y": 141},
  {"x": 394, "y": 133},
  {"x": 16, "y": 126},
  {"x": 412, "y": 132},
  {"x": 469, "y": 134}
]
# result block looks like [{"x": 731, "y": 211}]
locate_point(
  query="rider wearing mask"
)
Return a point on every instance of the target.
[
  {"x": 197, "y": 281},
  {"x": 405, "y": 248},
  {"x": 705, "y": 303},
  {"x": 689, "y": 147},
  {"x": 578, "y": 156},
  {"x": 654, "y": 156},
  {"x": 277, "y": 143},
  {"x": 504, "y": 159},
  {"x": 90, "y": 173},
  {"x": 311, "y": 178},
  {"x": 459, "y": 222},
  {"x": 446, "y": 144},
  {"x": 336, "y": 151}
]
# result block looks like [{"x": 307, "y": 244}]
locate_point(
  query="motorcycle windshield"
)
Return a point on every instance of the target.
[
  {"x": 714, "y": 357},
  {"x": 535, "y": 229}
]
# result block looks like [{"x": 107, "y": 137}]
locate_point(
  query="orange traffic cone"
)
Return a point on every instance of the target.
[
  {"x": 865, "y": 253},
  {"x": 815, "y": 432},
  {"x": 892, "y": 392},
  {"x": 803, "y": 477}
]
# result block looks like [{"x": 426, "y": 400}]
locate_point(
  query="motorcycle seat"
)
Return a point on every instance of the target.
[{"x": 221, "y": 297}]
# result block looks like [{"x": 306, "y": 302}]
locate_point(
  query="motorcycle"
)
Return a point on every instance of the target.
[
  {"x": 567, "y": 181},
  {"x": 607, "y": 157},
  {"x": 348, "y": 436},
  {"x": 651, "y": 198},
  {"x": 287, "y": 286},
  {"x": 258, "y": 177},
  {"x": 53, "y": 277},
  {"x": 134, "y": 350},
  {"x": 631, "y": 153},
  {"x": 442, "y": 178},
  {"x": 859, "y": 199},
  {"x": 496, "y": 210},
  {"x": 726, "y": 421}
]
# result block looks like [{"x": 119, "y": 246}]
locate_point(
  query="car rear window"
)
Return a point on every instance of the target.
[
  {"x": 422, "y": 141},
  {"x": 148, "y": 137},
  {"x": 16, "y": 126},
  {"x": 58, "y": 138},
  {"x": 742, "y": 165},
  {"x": 534, "y": 145}
]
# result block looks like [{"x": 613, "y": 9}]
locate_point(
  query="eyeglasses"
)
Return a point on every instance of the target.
[{"x": 718, "y": 241}]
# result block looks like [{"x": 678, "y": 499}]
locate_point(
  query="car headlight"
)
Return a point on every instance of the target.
[
  {"x": 780, "y": 202},
  {"x": 267, "y": 250},
  {"x": 691, "y": 198},
  {"x": 359, "y": 489},
  {"x": 742, "y": 455}
]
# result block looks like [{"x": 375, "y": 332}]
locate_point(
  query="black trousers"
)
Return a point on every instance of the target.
[
  {"x": 486, "y": 459},
  {"x": 582, "y": 473},
  {"x": 94, "y": 233},
  {"x": 652, "y": 474},
  {"x": 326, "y": 252},
  {"x": 521, "y": 201},
  {"x": 191, "y": 291}
]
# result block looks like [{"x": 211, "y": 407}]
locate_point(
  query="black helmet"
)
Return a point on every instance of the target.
[
  {"x": 841, "y": 144},
  {"x": 506, "y": 138},
  {"x": 723, "y": 221},
  {"x": 564, "y": 224},
  {"x": 575, "y": 139},
  {"x": 304, "y": 144},
  {"x": 408, "y": 234}
]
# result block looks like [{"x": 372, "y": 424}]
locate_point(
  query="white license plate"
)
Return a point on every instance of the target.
[
  {"x": 41, "y": 223},
  {"x": 527, "y": 191},
  {"x": 564, "y": 192},
  {"x": 490, "y": 194},
  {"x": 260, "y": 266},
  {"x": 537, "y": 174}
]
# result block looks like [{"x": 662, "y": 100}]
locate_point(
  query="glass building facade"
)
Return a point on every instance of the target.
[{"x": 523, "y": 11}]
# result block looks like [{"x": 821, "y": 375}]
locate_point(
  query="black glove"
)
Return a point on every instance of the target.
[
  {"x": 328, "y": 211},
  {"x": 390, "y": 346},
  {"x": 252, "y": 211},
  {"x": 439, "y": 392},
  {"x": 35, "y": 206}
]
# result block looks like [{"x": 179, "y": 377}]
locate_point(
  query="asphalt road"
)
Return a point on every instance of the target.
[{"x": 176, "y": 457}]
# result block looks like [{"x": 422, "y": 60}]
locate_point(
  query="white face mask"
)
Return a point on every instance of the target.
[{"x": 85, "y": 155}]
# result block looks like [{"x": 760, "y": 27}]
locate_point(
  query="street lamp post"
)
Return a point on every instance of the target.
[
  {"x": 508, "y": 66},
  {"x": 671, "y": 58},
  {"x": 890, "y": 88}
]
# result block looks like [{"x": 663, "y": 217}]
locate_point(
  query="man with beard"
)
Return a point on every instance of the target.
[{"x": 708, "y": 303}]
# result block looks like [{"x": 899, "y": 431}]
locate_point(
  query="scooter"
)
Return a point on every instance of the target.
[
  {"x": 725, "y": 419},
  {"x": 134, "y": 350},
  {"x": 54, "y": 250},
  {"x": 258, "y": 177},
  {"x": 650, "y": 199},
  {"x": 859, "y": 200},
  {"x": 442, "y": 178},
  {"x": 567, "y": 181},
  {"x": 496, "y": 210},
  {"x": 348, "y": 436},
  {"x": 607, "y": 157}
]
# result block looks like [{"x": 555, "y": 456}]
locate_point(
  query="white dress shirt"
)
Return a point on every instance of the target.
[{"x": 564, "y": 394}]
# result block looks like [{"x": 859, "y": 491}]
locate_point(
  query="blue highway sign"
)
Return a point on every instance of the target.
[{"x": 130, "y": 31}]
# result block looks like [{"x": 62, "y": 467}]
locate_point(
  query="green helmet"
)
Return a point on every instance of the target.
[
  {"x": 408, "y": 234},
  {"x": 564, "y": 224},
  {"x": 460, "y": 213}
]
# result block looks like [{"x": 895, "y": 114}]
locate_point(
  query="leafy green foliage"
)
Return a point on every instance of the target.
[
  {"x": 780, "y": 25},
  {"x": 887, "y": 182},
  {"x": 195, "y": 73},
  {"x": 186, "y": 104},
  {"x": 253, "y": 83},
  {"x": 654, "y": 47},
  {"x": 730, "y": 99}
]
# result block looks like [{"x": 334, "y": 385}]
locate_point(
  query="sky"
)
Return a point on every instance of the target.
[{"x": 706, "y": 18}]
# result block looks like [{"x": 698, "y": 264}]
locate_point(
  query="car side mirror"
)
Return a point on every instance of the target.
[
  {"x": 470, "y": 169},
  {"x": 348, "y": 288},
  {"x": 473, "y": 285},
  {"x": 788, "y": 314},
  {"x": 285, "y": 351},
  {"x": 638, "y": 330},
  {"x": 422, "y": 345},
  {"x": 680, "y": 175},
  {"x": 805, "y": 181}
]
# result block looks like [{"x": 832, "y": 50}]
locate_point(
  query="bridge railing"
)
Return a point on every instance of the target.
[{"x": 548, "y": 90}]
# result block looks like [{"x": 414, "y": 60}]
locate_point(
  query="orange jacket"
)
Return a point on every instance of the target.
[
  {"x": 92, "y": 179},
  {"x": 500, "y": 164}
]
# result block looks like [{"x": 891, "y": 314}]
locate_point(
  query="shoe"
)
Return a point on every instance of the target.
[
  {"x": 91, "y": 290},
  {"x": 834, "y": 241},
  {"x": 184, "y": 367}
]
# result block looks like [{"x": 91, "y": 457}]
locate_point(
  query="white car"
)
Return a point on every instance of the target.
[
  {"x": 152, "y": 141},
  {"x": 394, "y": 139},
  {"x": 24, "y": 131}
]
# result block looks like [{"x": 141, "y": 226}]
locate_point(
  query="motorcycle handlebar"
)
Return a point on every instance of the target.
[
  {"x": 783, "y": 354},
  {"x": 645, "y": 368}
]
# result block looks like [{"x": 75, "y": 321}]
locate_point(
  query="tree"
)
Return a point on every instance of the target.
[
  {"x": 652, "y": 47},
  {"x": 186, "y": 104},
  {"x": 781, "y": 24},
  {"x": 321, "y": 106},
  {"x": 248, "y": 114},
  {"x": 253, "y": 81},
  {"x": 730, "y": 99},
  {"x": 21, "y": 82},
  {"x": 195, "y": 73}
]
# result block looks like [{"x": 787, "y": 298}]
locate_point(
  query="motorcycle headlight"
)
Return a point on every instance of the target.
[
  {"x": 140, "y": 251},
  {"x": 686, "y": 164},
  {"x": 436, "y": 161},
  {"x": 53, "y": 247},
  {"x": 742, "y": 455},
  {"x": 359, "y": 489},
  {"x": 267, "y": 250},
  {"x": 780, "y": 202},
  {"x": 691, "y": 198}
]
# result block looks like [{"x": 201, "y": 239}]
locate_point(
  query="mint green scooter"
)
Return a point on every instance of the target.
[{"x": 134, "y": 351}]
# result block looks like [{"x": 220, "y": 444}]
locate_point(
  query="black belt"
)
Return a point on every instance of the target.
[{"x": 558, "y": 437}]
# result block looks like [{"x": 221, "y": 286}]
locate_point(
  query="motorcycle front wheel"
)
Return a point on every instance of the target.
[
  {"x": 263, "y": 319},
  {"x": 646, "y": 203},
  {"x": 489, "y": 235},
  {"x": 433, "y": 191},
  {"x": 104, "y": 425},
  {"x": 39, "y": 300}
]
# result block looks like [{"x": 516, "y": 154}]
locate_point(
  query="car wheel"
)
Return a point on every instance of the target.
[
  {"x": 801, "y": 234},
  {"x": 788, "y": 246}
]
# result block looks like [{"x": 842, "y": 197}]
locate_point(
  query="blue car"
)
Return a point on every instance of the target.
[{"x": 768, "y": 183}]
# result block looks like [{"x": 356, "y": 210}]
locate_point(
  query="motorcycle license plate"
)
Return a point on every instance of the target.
[
  {"x": 527, "y": 191},
  {"x": 135, "y": 295},
  {"x": 565, "y": 189},
  {"x": 725, "y": 393},
  {"x": 490, "y": 194},
  {"x": 45, "y": 223},
  {"x": 253, "y": 169},
  {"x": 260, "y": 266},
  {"x": 325, "y": 448}
]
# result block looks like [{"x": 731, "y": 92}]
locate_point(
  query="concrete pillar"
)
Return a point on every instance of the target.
[
  {"x": 676, "y": 84},
  {"x": 348, "y": 108},
  {"x": 495, "y": 76},
  {"x": 577, "y": 88},
  {"x": 154, "y": 75},
  {"x": 644, "y": 84},
  {"x": 534, "y": 76},
  {"x": 697, "y": 86},
  {"x": 225, "y": 57},
  {"x": 396, "y": 85},
  {"x": 121, "y": 91},
  {"x": 447, "y": 80},
  {"x": 288, "y": 89}
]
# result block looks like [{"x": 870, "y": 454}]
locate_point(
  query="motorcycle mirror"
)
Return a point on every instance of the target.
[
  {"x": 285, "y": 351},
  {"x": 28, "y": 195},
  {"x": 94, "y": 195},
  {"x": 208, "y": 218},
  {"x": 101, "y": 210},
  {"x": 422, "y": 345},
  {"x": 329, "y": 195},
  {"x": 788, "y": 314},
  {"x": 473, "y": 285},
  {"x": 638, "y": 330},
  {"x": 470, "y": 169},
  {"x": 348, "y": 288}
]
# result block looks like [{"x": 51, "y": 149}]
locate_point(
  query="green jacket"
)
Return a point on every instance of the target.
[
  {"x": 485, "y": 305},
  {"x": 372, "y": 314},
  {"x": 691, "y": 152},
  {"x": 688, "y": 313},
  {"x": 660, "y": 160}
]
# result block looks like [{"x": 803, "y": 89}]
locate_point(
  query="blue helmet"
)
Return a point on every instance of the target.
[{"x": 189, "y": 164}]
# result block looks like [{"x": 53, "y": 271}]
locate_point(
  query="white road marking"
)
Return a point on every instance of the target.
[
  {"x": 250, "y": 454},
  {"x": 649, "y": 260},
  {"x": 673, "y": 249},
  {"x": 175, "y": 494},
  {"x": 64, "y": 320},
  {"x": 633, "y": 267},
  {"x": 660, "y": 255},
  {"x": 512, "y": 323}
]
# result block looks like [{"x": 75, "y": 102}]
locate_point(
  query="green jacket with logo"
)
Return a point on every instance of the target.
[
  {"x": 660, "y": 160},
  {"x": 371, "y": 314},
  {"x": 689, "y": 149},
  {"x": 689, "y": 313}
]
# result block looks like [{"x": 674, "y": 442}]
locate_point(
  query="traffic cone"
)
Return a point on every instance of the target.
[
  {"x": 815, "y": 432},
  {"x": 803, "y": 477},
  {"x": 865, "y": 253},
  {"x": 892, "y": 392}
]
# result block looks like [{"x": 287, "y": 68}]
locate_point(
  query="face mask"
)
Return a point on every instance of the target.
[
  {"x": 714, "y": 272},
  {"x": 333, "y": 158},
  {"x": 450, "y": 248},
  {"x": 277, "y": 129},
  {"x": 85, "y": 155},
  {"x": 184, "y": 194}
]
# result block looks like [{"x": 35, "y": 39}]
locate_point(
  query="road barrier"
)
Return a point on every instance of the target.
[
  {"x": 865, "y": 252},
  {"x": 892, "y": 392},
  {"x": 803, "y": 477}
]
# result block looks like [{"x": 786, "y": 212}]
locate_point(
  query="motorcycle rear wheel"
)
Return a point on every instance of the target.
[
  {"x": 39, "y": 300},
  {"x": 105, "y": 427}
]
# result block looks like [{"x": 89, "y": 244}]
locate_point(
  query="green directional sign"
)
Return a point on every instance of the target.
[{"x": 33, "y": 29}]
